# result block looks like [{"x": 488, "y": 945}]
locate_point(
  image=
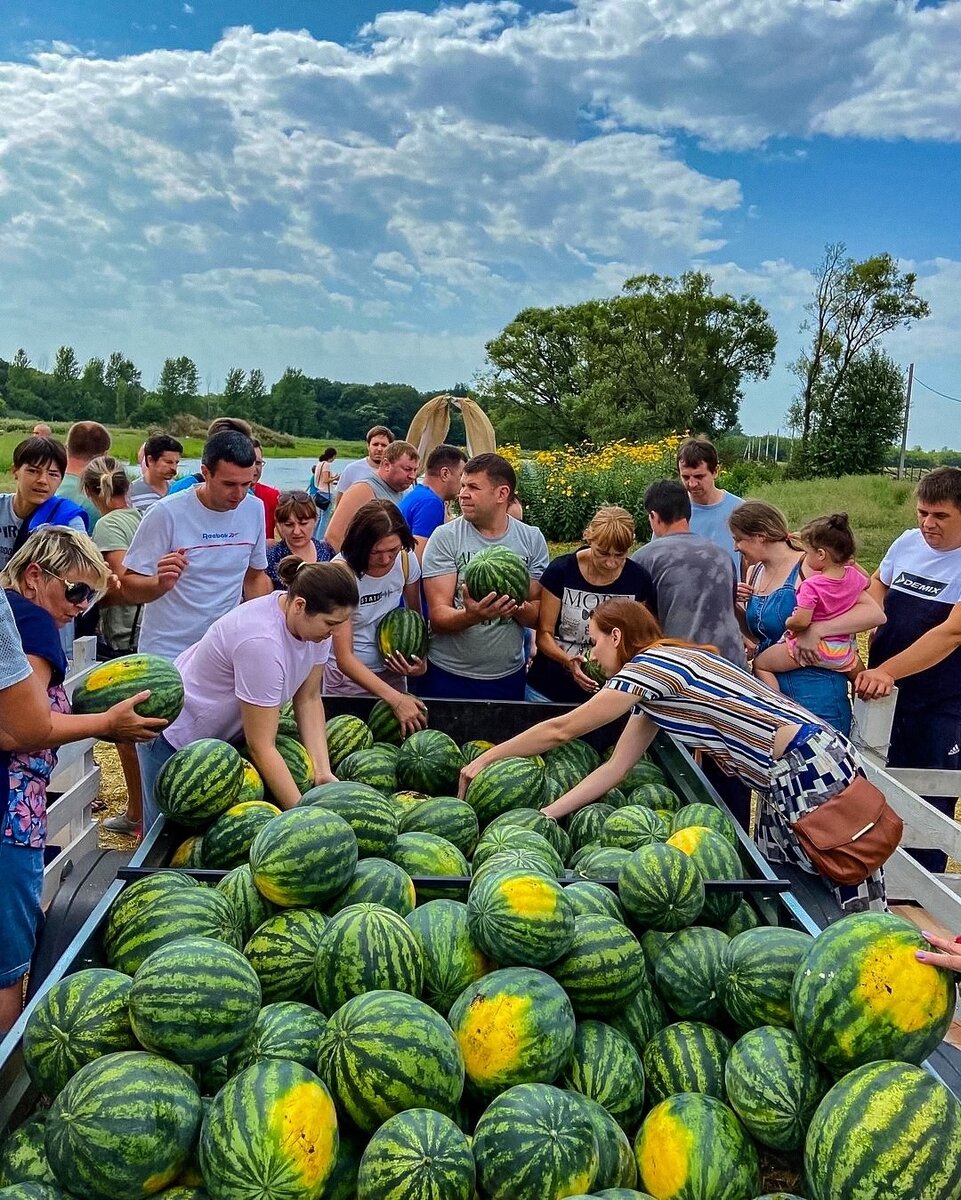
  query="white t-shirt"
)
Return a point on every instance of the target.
[
  {"x": 378, "y": 596},
  {"x": 220, "y": 547},
  {"x": 355, "y": 472},
  {"x": 248, "y": 655}
]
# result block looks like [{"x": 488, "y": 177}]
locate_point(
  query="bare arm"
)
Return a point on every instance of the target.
[
  {"x": 260, "y": 731},
  {"x": 799, "y": 620},
  {"x": 347, "y": 505},
  {"x": 420, "y": 545},
  {"x": 547, "y": 643},
  {"x": 410, "y": 711},
  {"x": 637, "y": 736},
  {"x": 141, "y": 589},
  {"x": 930, "y": 649},
  {"x": 311, "y": 721},
  {"x": 256, "y": 583},
  {"x": 114, "y": 593},
  {"x": 527, "y": 614}
]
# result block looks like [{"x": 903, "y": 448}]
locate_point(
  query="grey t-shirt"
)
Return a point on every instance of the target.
[
  {"x": 142, "y": 496},
  {"x": 495, "y": 648},
  {"x": 10, "y": 526},
  {"x": 695, "y": 581}
]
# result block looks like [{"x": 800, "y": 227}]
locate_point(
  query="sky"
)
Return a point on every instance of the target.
[{"x": 371, "y": 194}]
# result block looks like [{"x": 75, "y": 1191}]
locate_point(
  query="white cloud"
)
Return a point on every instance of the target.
[{"x": 188, "y": 9}]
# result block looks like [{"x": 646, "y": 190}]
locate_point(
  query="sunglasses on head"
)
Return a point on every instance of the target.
[
  {"x": 298, "y": 496},
  {"x": 74, "y": 593}
]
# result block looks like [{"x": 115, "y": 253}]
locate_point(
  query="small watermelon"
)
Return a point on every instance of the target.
[
  {"x": 372, "y": 816},
  {"x": 520, "y": 917},
  {"x": 227, "y": 842},
  {"x": 447, "y": 817},
  {"x": 377, "y": 881},
  {"x": 774, "y": 1086},
  {"x": 383, "y": 724},
  {"x": 689, "y": 970},
  {"x": 603, "y": 968},
  {"x": 303, "y": 857},
  {"x": 687, "y": 1056},
  {"x": 661, "y": 888},
  {"x": 759, "y": 966},
  {"x": 715, "y": 858},
  {"x": 417, "y": 1155},
  {"x": 199, "y": 782},
  {"x": 345, "y": 734},
  {"x": 402, "y": 631},
  {"x": 282, "y": 952},
  {"x": 426, "y": 854},
  {"x": 365, "y": 948},
  {"x": 286, "y": 1029},
  {"x": 506, "y": 784},
  {"x": 606, "y": 1067}
]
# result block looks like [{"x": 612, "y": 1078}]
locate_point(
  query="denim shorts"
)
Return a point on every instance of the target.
[{"x": 21, "y": 889}]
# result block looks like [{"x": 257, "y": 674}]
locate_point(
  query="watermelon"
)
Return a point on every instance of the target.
[
  {"x": 616, "y": 1165},
  {"x": 475, "y": 748},
  {"x": 606, "y": 1067},
  {"x": 252, "y": 787},
  {"x": 655, "y": 795},
  {"x": 447, "y": 817},
  {"x": 715, "y": 858},
  {"x": 417, "y": 1155},
  {"x": 250, "y": 908},
  {"x": 692, "y": 1147},
  {"x": 383, "y": 1052},
  {"x": 377, "y": 881},
  {"x": 426, "y": 854},
  {"x": 577, "y": 753},
  {"x": 189, "y": 852},
  {"x": 707, "y": 816},
  {"x": 78, "y": 1019},
  {"x": 297, "y": 760},
  {"x": 513, "y": 1026},
  {"x": 286, "y": 1029},
  {"x": 593, "y": 669},
  {"x": 506, "y": 784},
  {"x": 498, "y": 570},
  {"x": 402, "y": 631},
  {"x": 642, "y": 1016},
  {"x": 687, "y": 1056},
  {"x": 287, "y": 720},
  {"x": 429, "y": 761},
  {"x": 774, "y": 1086},
  {"x": 345, "y": 734},
  {"x": 520, "y": 917},
  {"x": 643, "y": 771},
  {"x": 887, "y": 1129},
  {"x": 32, "y": 1190},
  {"x": 342, "y": 1182},
  {"x": 743, "y": 918},
  {"x": 366, "y": 948},
  {"x": 759, "y": 966},
  {"x": 688, "y": 972},
  {"x": 23, "y": 1156},
  {"x": 304, "y": 856},
  {"x": 532, "y": 818},
  {"x": 633, "y": 826},
  {"x": 860, "y": 994},
  {"x": 588, "y": 896},
  {"x": 282, "y": 951},
  {"x": 661, "y": 887},
  {"x": 146, "y": 1104},
  {"x": 653, "y": 942},
  {"x": 535, "y": 1142},
  {"x": 108, "y": 683},
  {"x": 585, "y": 825},
  {"x": 271, "y": 1131},
  {"x": 603, "y": 968},
  {"x": 227, "y": 842},
  {"x": 376, "y": 767},
  {"x": 451, "y": 960},
  {"x": 199, "y": 782},
  {"x": 161, "y": 916},
  {"x": 518, "y": 860},
  {"x": 383, "y": 724},
  {"x": 506, "y": 837},
  {"x": 194, "y": 1000},
  {"x": 405, "y": 801},
  {"x": 371, "y": 815},
  {"x": 599, "y": 862}
]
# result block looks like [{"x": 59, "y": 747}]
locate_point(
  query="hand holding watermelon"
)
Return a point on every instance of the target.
[
  {"x": 950, "y": 956},
  {"x": 579, "y": 672},
  {"x": 403, "y": 666},
  {"x": 490, "y": 607},
  {"x": 410, "y": 712},
  {"x": 122, "y": 723}
]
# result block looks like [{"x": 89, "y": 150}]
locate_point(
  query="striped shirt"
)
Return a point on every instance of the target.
[{"x": 706, "y": 703}]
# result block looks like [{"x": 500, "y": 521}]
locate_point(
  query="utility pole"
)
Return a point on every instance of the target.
[{"x": 907, "y": 414}]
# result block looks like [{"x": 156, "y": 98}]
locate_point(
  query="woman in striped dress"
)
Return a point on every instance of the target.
[{"x": 793, "y": 759}]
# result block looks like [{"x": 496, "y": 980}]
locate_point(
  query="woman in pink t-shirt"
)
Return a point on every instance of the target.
[{"x": 832, "y": 585}]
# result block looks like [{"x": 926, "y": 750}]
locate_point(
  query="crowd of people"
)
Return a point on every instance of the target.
[{"x": 725, "y": 628}]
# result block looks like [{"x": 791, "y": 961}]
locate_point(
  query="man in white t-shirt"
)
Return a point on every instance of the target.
[
  {"x": 698, "y": 467},
  {"x": 378, "y": 439},
  {"x": 195, "y": 556}
]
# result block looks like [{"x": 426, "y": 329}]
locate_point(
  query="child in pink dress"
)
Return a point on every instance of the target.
[{"x": 830, "y": 585}]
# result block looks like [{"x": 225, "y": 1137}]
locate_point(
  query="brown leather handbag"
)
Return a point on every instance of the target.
[{"x": 848, "y": 837}]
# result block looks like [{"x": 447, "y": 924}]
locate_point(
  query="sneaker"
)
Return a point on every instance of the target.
[{"x": 122, "y": 824}]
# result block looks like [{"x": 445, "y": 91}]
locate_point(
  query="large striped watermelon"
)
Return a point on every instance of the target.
[
  {"x": 585, "y": 825},
  {"x": 520, "y": 917},
  {"x": 287, "y": 1029},
  {"x": 708, "y": 816},
  {"x": 506, "y": 784},
  {"x": 887, "y": 1130},
  {"x": 282, "y": 953},
  {"x": 383, "y": 724},
  {"x": 656, "y": 795},
  {"x": 589, "y": 896},
  {"x": 376, "y": 767},
  {"x": 860, "y": 994},
  {"x": 297, "y": 760},
  {"x": 774, "y": 1086},
  {"x": 533, "y": 818},
  {"x": 160, "y": 916},
  {"x": 603, "y": 968},
  {"x": 227, "y": 842},
  {"x": 384, "y": 1052},
  {"x": 426, "y": 854},
  {"x": 402, "y": 631},
  {"x": 199, "y": 782},
  {"x": 687, "y": 1056},
  {"x": 498, "y": 570},
  {"x": 271, "y": 1131},
  {"x": 692, "y": 1147},
  {"x": 377, "y": 881},
  {"x": 518, "y": 859},
  {"x": 643, "y": 771},
  {"x": 250, "y": 908},
  {"x": 506, "y": 837},
  {"x": 599, "y": 862},
  {"x": 759, "y": 969},
  {"x": 372, "y": 816},
  {"x": 633, "y": 826},
  {"x": 429, "y": 761},
  {"x": 451, "y": 960},
  {"x": 715, "y": 858},
  {"x": 606, "y": 1067},
  {"x": 513, "y": 1026},
  {"x": 535, "y": 1142},
  {"x": 688, "y": 972},
  {"x": 616, "y": 1165},
  {"x": 194, "y": 1000},
  {"x": 345, "y": 734},
  {"x": 661, "y": 888},
  {"x": 138, "y": 1101},
  {"x": 366, "y": 948},
  {"x": 742, "y": 919},
  {"x": 78, "y": 1019},
  {"x": 23, "y": 1155},
  {"x": 417, "y": 1155},
  {"x": 111, "y": 682},
  {"x": 303, "y": 857},
  {"x": 447, "y": 817}
]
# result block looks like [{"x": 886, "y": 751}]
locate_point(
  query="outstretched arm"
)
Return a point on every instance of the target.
[{"x": 637, "y": 736}]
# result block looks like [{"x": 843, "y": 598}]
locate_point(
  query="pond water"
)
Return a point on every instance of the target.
[{"x": 282, "y": 473}]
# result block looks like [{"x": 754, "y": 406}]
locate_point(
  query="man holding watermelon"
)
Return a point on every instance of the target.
[{"x": 477, "y": 641}]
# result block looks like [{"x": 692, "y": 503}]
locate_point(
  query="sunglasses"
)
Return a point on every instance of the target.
[
  {"x": 74, "y": 593},
  {"x": 298, "y": 497}
]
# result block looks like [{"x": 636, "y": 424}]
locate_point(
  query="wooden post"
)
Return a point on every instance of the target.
[{"x": 907, "y": 414}]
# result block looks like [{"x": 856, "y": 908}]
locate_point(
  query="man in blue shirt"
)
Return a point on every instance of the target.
[
  {"x": 425, "y": 505},
  {"x": 698, "y": 467}
]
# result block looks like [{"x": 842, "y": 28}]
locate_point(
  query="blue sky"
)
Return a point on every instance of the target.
[{"x": 372, "y": 194}]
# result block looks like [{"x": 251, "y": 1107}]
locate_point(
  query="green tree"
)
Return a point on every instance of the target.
[
  {"x": 122, "y": 377},
  {"x": 66, "y": 368},
  {"x": 95, "y": 400},
  {"x": 255, "y": 395},
  {"x": 20, "y": 360},
  {"x": 292, "y": 402},
  {"x": 234, "y": 399},
  {"x": 179, "y": 386},
  {"x": 854, "y": 304}
]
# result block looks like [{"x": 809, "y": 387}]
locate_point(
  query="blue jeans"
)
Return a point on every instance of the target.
[
  {"x": 21, "y": 888},
  {"x": 439, "y": 684},
  {"x": 151, "y": 756}
]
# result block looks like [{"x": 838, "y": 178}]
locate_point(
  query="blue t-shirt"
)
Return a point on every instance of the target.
[
  {"x": 181, "y": 485},
  {"x": 423, "y": 510},
  {"x": 710, "y": 521},
  {"x": 25, "y": 819}
]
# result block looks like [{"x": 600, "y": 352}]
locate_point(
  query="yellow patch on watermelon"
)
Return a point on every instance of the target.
[
  {"x": 688, "y": 840},
  {"x": 304, "y": 1124},
  {"x": 408, "y": 800},
  {"x": 529, "y": 896},
  {"x": 579, "y": 1185},
  {"x": 155, "y": 1182},
  {"x": 236, "y": 810},
  {"x": 895, "y": 987},
  {"x": 491, "y": 1035},
  {"x": 112, "y": 673},
  {"x": 664, "y": 1152},
  {"x": 182, "y": 855}
]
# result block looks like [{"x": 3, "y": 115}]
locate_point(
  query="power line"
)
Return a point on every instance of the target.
[{"x": 943, "y": 395}]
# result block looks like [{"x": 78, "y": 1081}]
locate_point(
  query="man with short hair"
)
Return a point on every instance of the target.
[
  {"x": 477, "y": 642},
  {"x": 395, "y": 473},
  {"x": 919, "y": 585},
  {"x": 38, "y": 467},
  {"x": 217, "y": 425},
  {"x": 698, "y": 467},
  {"x": 425, "y": 506},
  {"x": 196, "y": 555},
  {"x": 378, "y": 439},
  {"x": 86, "y": 440},
  {"x": 161, "y": 461}
]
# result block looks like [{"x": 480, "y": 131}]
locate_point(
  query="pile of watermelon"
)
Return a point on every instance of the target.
[{"x": 511, "y": 1027}]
